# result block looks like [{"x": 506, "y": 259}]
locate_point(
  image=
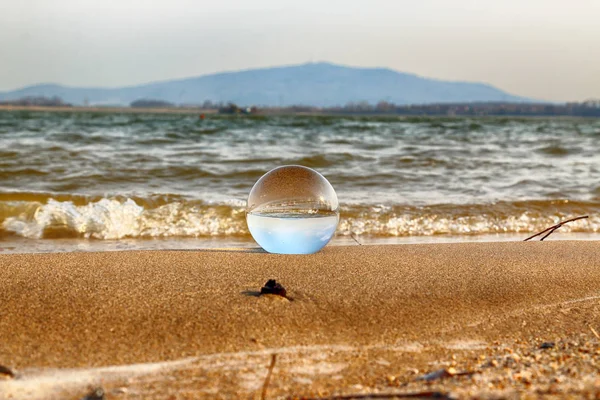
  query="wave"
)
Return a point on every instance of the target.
[
  {"x": 116, "y": 219},
  {"x": 40, "y": 216}
]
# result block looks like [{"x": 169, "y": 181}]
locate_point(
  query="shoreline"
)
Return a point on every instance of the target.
[
  {"x": 21, "y": 245},
  {"x": 275, "y": 113},
  {"x": 107, "y": 110},
  {"x": 359, "y": 319}
]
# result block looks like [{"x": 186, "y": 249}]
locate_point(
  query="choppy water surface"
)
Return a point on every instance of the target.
[{"x": 115, "y": 176}]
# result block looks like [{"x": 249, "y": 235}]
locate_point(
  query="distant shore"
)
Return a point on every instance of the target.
[
  {"x": 291, "y": 111},
  {"x": 129, "y": 110},
  {"x": 132, "y": 110}
]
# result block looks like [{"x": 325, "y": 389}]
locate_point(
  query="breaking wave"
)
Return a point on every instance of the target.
[{"x": 40, "y": 217}]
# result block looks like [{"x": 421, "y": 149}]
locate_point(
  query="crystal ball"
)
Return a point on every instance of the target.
[{"x": 292, "y": 210}]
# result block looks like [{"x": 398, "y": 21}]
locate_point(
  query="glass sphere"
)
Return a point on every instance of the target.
[{"x": 292, "y": 210}]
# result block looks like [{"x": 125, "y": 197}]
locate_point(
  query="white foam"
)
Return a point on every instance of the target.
[
  {"x": 104, "y": 219},
  {"x": 429, "y": 225},
  {"x": 117, "y": 219},
  {"x": 114, "y": 219}
]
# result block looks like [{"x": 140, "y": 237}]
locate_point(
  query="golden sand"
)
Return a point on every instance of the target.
[{"x": 359, "y": 320}]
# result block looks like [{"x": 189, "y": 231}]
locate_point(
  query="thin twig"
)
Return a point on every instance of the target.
[
  {"x": 268, "y": 378},
  {"x": 548, "y": 234},
  {"x": 594, "y": 332},
  {"x": 554, "y": 227},
  {"x": 355, "y": 239},
  {"x": 396, "y": 395}
]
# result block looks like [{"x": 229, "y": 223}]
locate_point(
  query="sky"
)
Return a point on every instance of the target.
[{"x": 543, "y": 49}]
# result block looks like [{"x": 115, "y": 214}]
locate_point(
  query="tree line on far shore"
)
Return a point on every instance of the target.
[
  {"x": 590, "y": 108},
  {"x": 37, "y": 101}
]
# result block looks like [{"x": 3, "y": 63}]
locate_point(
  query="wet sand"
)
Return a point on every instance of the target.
[{"x": 501, "y": 319}]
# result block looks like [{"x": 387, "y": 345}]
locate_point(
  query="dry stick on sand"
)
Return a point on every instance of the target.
[
  {"x": 553, "y": 228},
  {"x": 268, "y": 377},
  {"x": 353, "y": 236}
]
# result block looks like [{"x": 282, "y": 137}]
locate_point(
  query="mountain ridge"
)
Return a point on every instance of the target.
[{"x": 319, "y": 84}]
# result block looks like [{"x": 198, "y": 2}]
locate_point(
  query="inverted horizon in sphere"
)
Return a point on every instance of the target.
[
  {"x": 295, "y": 235},
  {"x": 292, "y": 209}
]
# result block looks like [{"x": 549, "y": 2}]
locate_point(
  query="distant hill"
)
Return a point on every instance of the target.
[{"x": 316, "y": 84}]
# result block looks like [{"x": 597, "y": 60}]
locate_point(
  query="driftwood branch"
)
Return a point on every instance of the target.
[{"x": 551, "y": 229}]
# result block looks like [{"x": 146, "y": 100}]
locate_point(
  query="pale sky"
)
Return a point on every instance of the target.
[{"x": 544, "y": 49}]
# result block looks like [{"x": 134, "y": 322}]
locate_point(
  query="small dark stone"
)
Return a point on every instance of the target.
[
  {"x": 96, "y": 394},
  {"x": 6, "y": 371},
  {"x": 272, "y": 287},
  {"x": 547, "y": 345}
]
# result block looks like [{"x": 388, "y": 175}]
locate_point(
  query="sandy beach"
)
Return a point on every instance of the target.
[{"x": 509, "y": 320}]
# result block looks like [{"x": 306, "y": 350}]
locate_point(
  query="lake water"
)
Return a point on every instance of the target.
[{"x": 81, "y": 181}]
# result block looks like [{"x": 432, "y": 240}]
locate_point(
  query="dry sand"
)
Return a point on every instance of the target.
[{"x": 360, "y": 319}]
